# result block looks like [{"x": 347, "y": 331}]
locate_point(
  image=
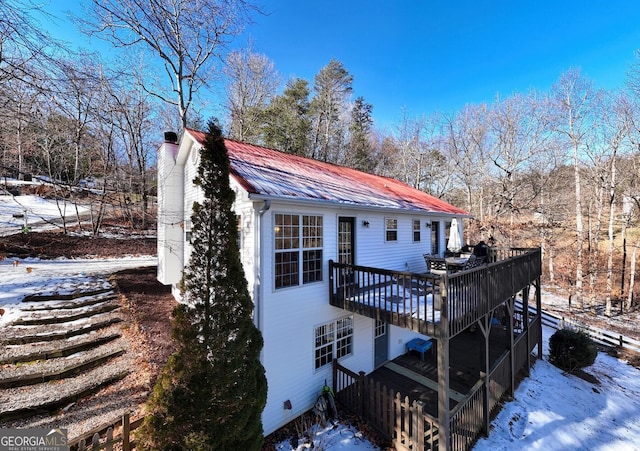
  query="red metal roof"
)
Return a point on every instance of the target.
[{"x": 277, "y": 174}]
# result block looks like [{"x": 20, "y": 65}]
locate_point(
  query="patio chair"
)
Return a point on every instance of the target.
[
  {"x": 435, "y": 265},
  {"x": 474, "y": 262}
]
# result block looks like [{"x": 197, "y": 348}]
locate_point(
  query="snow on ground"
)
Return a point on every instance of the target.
[
  {"x": 335, "y": 438},
  {"x": 23, "y": 277},
  {"x": 551, "y": 410},
  {"x": 39, "y": 213}
]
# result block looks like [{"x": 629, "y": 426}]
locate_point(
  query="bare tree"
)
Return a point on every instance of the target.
[
  {"x": 251, "y": 82},
  {"x": 466, "y": 146},
  {"x": 132, "y": 113},
  {"x": 77, "y": 98},
  {"x": 25, "y": 49},
  {"x": 574, "y": 95},
  {"x": 520, "y": 138},
  {"x": 614, "y": 132},
  {"x": 187, "y": 36}
]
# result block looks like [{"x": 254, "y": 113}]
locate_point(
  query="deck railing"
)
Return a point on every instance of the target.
[
  {"x": 401, "y": 298},
  {"x": 394, "y": 415},
  {"x": 414, "y": 301},
  {"x": 404, "y": 422},
  {"x": 441, "y": 307}
]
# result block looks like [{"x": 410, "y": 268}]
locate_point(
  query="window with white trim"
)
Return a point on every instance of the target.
[
  {"x": 187, "y": 230},
  {"x": 391, "y": 229},
  {"x": 333, "y": 340},
  {"x": 416, "y": 230},
  {"x": 298, "y": 249}
]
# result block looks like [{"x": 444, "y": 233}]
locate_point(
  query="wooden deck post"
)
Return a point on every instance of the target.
[
  {"x": 525, "y": 324},
  {"x": 362, "y": 392},
  {"x": 485, "y": 328},
  {"x": 444, "y": 412},
  {"x": 512, "y": 357},
  {"x": 539, "y": 313},
  {"x": 126, "y": 429}
]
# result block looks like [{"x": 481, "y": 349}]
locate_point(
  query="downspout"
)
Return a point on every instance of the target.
[{"x": 258, "y": 258}]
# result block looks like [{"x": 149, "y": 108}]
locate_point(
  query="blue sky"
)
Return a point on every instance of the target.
[{"x": 435, "y": 55}]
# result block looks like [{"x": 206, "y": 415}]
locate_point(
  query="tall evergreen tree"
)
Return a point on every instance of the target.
[
  {"x": 332, "y": 86},
  {"x": 211, "y": 393},
  {"x": 286, "y": 120},
  {"x": 360, "y": 148}
]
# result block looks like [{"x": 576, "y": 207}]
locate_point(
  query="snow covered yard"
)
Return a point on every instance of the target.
[
  {"x": 554, "y": 411},
  {"x": 35, "y": 211}
]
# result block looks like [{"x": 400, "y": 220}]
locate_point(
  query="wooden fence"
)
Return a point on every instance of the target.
[
  {"x": 406, "y": 423},
  {"x": 106, "y": 436},
  {"x": 598, "y": 335},
  {"x": 393, "y": 415}
]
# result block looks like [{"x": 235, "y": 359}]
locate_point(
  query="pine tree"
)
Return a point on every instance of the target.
[
  {"x": 286, "y": 120},
  {"x": 360, "y": 148},
  {"x": 211, "y": 393}
]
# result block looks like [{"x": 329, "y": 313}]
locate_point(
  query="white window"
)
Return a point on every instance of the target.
[
  {"x": 333, "y": 340},
  {"x": 187, "y": 230},
  {"x": 391, "y": 229},
  {"x": 416, "y": 230},
  {"x": 298, "y": 238}
]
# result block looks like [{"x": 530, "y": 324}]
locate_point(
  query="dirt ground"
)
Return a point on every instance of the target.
[{"x": 57, "y": 244}]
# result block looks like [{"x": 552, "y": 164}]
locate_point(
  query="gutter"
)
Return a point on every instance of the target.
[
  {"x": 258, "y": 260},
  {"x": 347, "y": 206}
]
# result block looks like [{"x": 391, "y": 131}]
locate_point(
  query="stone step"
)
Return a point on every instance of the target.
[
  {"x": 54, "y": 349},
  {"x": 58, "y": 369},
  {"x": 50, "y": 397},
  {"x": 65, "y": 296},
  {"x": 50, "y": 332},
  {"x": 84, "y": 301},
  {"x": 57, "y": 317}
]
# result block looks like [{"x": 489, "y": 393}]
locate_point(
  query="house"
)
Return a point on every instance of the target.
[{"x": 311, "y": 237}]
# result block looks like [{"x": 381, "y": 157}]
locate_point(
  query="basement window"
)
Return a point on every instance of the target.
[{"x": 333, "y": 340}]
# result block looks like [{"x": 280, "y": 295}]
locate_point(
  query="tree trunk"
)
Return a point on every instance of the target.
[
  {"x": 632, "y": 278},
  {"x": 612, "y": 203},
  {"x": 624, "y": 255},
  {"x": 579, "y": 226}
]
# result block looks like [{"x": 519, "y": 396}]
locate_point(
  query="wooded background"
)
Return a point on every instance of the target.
[{"x": 557, "y": 169}]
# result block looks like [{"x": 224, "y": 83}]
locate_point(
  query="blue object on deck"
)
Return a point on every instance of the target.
[{"x": 420, "y": 345}]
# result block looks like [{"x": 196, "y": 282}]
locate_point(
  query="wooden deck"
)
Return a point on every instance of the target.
[
  {"x": 432, "y": 305},
  {"x": 418, "y": 379},
  {"x": 446, "y": 400}
]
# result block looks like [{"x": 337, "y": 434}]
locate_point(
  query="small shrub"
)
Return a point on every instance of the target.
[{"x": 571, "y": 350}]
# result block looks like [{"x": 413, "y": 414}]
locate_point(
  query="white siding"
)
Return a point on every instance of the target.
[
  {"x": 372, "y": 249},
  {"x": 192, "y": 193},
  {"x": 170, "y": 194},
  {"x": 290, "y": 315}
]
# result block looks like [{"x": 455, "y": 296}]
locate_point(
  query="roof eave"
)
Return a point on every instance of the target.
[{"x": 348, "y": 206}]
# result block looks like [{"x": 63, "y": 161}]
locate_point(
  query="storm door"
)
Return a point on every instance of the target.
[{"x": 380, "y": 344}]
